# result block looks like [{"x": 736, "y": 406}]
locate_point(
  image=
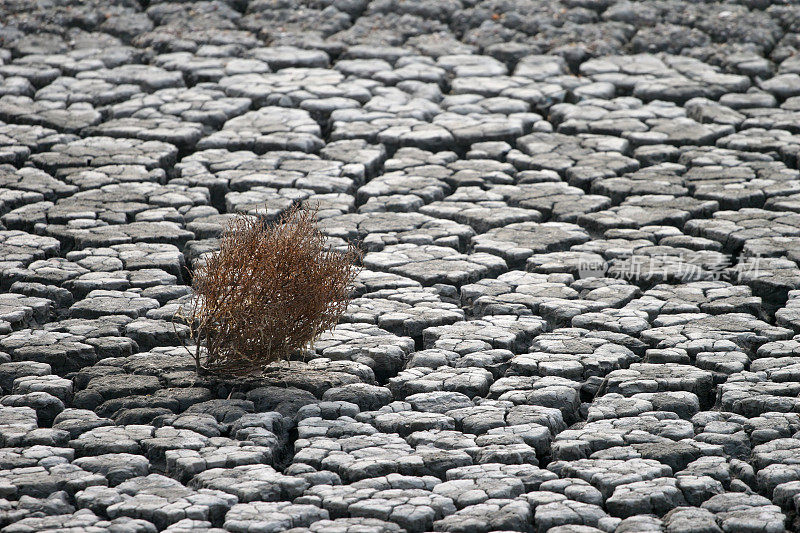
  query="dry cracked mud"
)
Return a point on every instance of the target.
[{"x": 580, "y": 307}]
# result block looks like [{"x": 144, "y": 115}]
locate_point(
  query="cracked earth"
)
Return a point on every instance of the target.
[{"x": 580, "y": 303}]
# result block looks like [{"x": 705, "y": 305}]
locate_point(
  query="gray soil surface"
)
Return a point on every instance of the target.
[{"x": 580, "y": 304}]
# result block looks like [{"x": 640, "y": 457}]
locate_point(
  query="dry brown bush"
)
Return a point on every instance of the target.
[{"x": 268, "y": 293}]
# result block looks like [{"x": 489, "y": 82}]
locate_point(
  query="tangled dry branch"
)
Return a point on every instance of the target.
[{"x": 268, "y": 293}]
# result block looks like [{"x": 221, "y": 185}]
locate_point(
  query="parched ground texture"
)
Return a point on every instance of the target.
[{"x": 580, "y": 303}]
